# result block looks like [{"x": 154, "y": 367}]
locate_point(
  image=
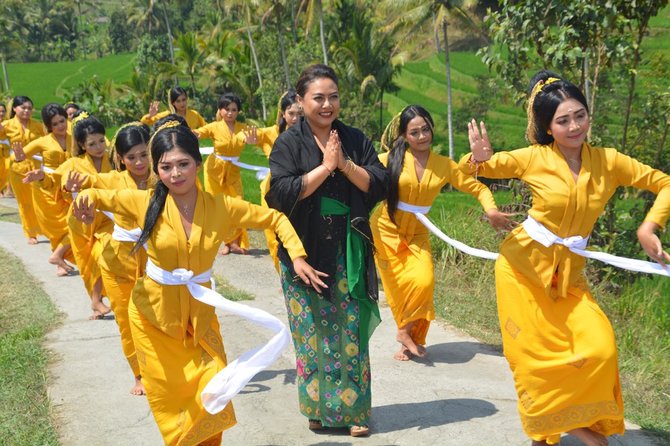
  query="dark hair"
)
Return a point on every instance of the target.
[
  {"x": 18, "y": 100},
  {"x": 397, "y": 154},
  {"x": 228, "y": 98},
  {"x": 168, "y": 118},
  {"x": 175, "y": 92},
  {"x": 71, "y": 105},
  {"x": 49, "y": 111},
  {"x": 127, "y": 138},
  {"x": 87, "y": 126},
  {"x": 290, "y": 98},
  {"x": 312, "y": 73},
  {"x": 547, "y": 101},
  {"x": 162, "y": 142}
]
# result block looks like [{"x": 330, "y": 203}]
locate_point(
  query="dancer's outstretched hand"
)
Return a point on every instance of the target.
[
  {"x": 153, "y": 109},
  {"x": 74, "y": 181},
  {"x": 480, "y": 146},
  {"x": 19, "y": 154},
  {"x": 33, "y": 175},
  {"x": 83, "y": 210},
  {"x": 251, "y": 135},
  {"x": 309, "y": 275},
  {"x": 651, "y": 244},
  {"x": 500, "y": 221}
]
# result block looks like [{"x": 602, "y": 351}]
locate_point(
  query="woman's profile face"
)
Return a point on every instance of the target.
[{"x": 321, "y": 102}]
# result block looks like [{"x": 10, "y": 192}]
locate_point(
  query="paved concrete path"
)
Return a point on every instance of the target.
[{"x": 463, "y": 395}]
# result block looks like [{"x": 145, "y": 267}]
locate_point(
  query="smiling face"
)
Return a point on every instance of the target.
[
  {"x": 570, "y": 125},
  {"x": 136, "y": 160},
  {"x": 178, "y": 171},
  {"x": 95, "y": 145},
  {"x": 59, "y": 125},
  {"x": 292, "y": 114},
  {"x": 180, "y": 104},
  {"x": 419, "y": 134},
  {"x": 321, "y": 103},
  {"x": 24, "y": 111}
]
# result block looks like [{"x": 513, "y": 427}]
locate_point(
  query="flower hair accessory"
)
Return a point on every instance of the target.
[
  {"x": 391, "y": 133},
  {"x": 532, "y": 125},
  {"x": 80, "y": 117}
]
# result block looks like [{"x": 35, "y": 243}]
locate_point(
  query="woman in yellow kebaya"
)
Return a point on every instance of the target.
[
  {"x": 403, "y": 253},
  {"x": 50, "y": 207},
  {"x": 177, "y": 338},
  {"x": 288, "y": 114},
  {"x": 120, "y": 268},
  {"x": 87, "y": 241},
  {"x": 4, "y": 153},
  {"x": 21, "y": 129},
  {"x": 558, "y": 342},
  {"x": 220, "y": 175},
  {"x": 178, "y": 100}
]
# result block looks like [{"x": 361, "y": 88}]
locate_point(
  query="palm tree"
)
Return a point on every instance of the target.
[
  {"x": 313, "y": 10},
  {"x": 142, "y": 14},
  {"x": 417, "y": 12},
  {"x": 246, "y": 7},
  {"x": 188, "y": 57}
]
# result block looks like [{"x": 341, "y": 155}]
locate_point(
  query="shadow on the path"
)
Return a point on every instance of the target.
[
  {"x": 456, "y": 352},
  {"x": 257, "y": 252},
  {"x": 267, "y": 375},
  {"x": 396, "y": 417}
]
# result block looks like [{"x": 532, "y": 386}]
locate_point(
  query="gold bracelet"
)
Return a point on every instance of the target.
[{"x": 329, "y": 171}]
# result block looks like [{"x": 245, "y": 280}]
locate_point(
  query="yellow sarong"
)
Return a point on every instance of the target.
[{"x": 563, "y": 356}]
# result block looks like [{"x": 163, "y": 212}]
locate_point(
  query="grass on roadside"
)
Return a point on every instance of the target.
[
  {"x": 228, "y": 291},
  {"x": 9, "y": 214},
  {"x": 26, "y": 313}
]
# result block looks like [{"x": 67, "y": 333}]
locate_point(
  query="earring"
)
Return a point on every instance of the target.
[{"x": 549, "y": 132}]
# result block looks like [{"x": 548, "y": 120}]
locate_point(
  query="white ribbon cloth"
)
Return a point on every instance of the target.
[
  {"x": 419, "y": 212},
  {"x": 42, "y": 166},
  {"x": 261, "y": 171},
  {"x": 5, "y": 142},
  {"x": 232, "y": 379},
  {"x": 577, "y": 244},
  {"x": 126, "y": 235}
]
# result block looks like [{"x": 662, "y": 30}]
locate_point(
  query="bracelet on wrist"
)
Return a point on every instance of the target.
[{"x": 330, "y": 172}]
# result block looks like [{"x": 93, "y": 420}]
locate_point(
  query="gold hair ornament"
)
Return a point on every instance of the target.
[
  {"x": 112, "y": 155},
  {"x": 391, "y": 133},
  {"x": 532, "y": 125},
  {"x": 80, "y": 117}
]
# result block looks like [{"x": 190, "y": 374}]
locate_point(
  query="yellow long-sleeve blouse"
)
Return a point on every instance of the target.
[
  {"x": 50, "y": 150},
  {"x": 440, "y": 170},
  {"x": 193, "y": 118},
  {"x": 172, "y": 309},
  {"x": 15, "y": 132},
  {"x": 566, "y": 207},
  {"x": 225, "y": 142}
]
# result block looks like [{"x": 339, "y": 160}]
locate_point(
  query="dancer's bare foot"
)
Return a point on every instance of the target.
[
  {"x": 539, "y": 443},
  {"x": 62, "y": 268},
  {"x": 99, "y": 310},
  {"x": 236, "y": 249},
  {"x": 62, "y": 272},
  {"x": 589, "y": 437},
  {"x": 138, "y": 388},
  {"x": 32, "y": 240},
  {"x": 225, "y": 250},
  {"x": 406, "y": 340},
  {"x": 402, "y": 355}
]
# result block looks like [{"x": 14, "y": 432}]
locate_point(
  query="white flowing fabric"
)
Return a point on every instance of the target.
[
  {"x": 419, "y": 212},
  {"x": 261, "y": 172},
  {"x": 538, "y": 232},
  {"x": 126, "y": 235},
  {"x": 229, "y": 381},
  {"x": 43, "y": 167},
  {"x": 5, "y": 142}
]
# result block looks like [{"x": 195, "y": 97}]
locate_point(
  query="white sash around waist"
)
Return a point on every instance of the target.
[
  {"x": 232, "y": 379},
  {"x": 5, "y": 142},
  {"x": 126, "y": 235},
  {"x": 42, "y": 166},
  {"x": 261, "y": 171},
  {"x": 577, "y": 244},
  {"x": 419, "y": 212}
]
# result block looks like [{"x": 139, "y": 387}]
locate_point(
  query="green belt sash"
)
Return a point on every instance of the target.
[{"x": 356, "y": 252}]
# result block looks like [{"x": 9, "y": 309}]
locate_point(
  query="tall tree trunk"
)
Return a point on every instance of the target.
[
  {"x": 5, "y": 74},
  {"x": 258, "y": 68},
  {"x": 436, "y": 33},
  {"x": 381, "y": 112},
  {"x": 449, "y": 100},
  {"x": 282, "y": 51},
  {"x": 631, "y": 85},
  {"x": 323, "y": 37}
]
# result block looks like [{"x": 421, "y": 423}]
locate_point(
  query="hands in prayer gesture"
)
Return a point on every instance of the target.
[
  {"x": 84, "y": 210},
  {"x": 480, "y": 146},
  {"x": 333, "y": 157}
]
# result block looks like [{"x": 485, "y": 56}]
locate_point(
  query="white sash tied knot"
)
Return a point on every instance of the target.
[
  {"x": 232, "y": 379},
  {"x": 577, "y": 244},
  {"x": 261, "y": 171},
  {"x": 419, "y": 212}
]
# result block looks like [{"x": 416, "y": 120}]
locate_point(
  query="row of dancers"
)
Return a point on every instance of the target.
[{"x": 335, "y": 213}]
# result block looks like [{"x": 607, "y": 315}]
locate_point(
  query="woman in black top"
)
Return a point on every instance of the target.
[{"x": 326, "y": 178}]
